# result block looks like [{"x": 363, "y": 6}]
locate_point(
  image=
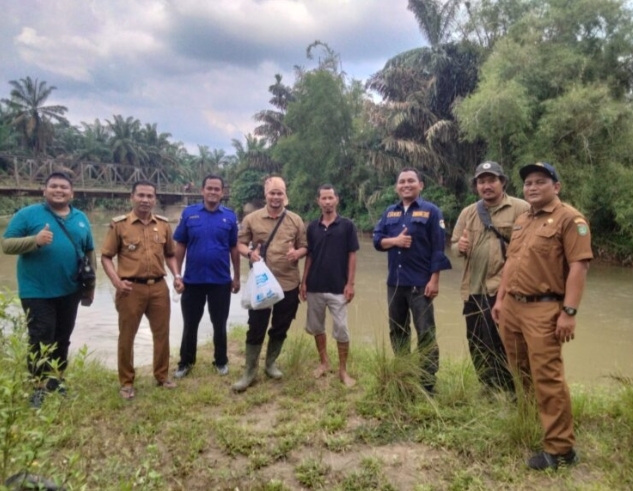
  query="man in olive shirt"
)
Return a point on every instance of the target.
[
  {"x": 289, "y": 244},
  {"x": 483, "y": 250},
  {"x": 143, "y": 244},
  {"x": 541, "y": 287}
]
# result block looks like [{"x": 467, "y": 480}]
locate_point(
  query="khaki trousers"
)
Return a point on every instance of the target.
[
  {"x": 527, "y": 331},
  {"x": 153, "y": 302}
]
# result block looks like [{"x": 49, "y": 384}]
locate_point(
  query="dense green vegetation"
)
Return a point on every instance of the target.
[{"x": 511, "y": 80}]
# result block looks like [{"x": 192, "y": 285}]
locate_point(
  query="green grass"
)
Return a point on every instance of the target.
[{"x": 300, "y": 433}]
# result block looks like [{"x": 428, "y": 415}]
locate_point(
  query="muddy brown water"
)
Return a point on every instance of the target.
[{"x": 603, "y": 344}]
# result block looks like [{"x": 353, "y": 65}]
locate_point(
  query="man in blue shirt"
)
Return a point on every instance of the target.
[
  {"x": 412, "y": 231},
  {"x": 207, "y": 234},
  {"x": 48, "y": 284}
]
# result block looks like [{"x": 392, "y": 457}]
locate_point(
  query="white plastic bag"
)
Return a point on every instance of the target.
[
  {"x": 247, "y": 290},
  {"x": 265, "y": 290}
]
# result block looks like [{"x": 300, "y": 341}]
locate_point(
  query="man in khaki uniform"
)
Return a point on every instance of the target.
[
  {"x": 289, "y": 244},
  {"x": 541, "y": 288},
  {"x": 483, "y": 249},
  {"x": 143, "y": 244}
]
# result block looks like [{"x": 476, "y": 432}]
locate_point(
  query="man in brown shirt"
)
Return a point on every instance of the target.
[
  {"x": 143, "y": 244},
  {"x": 541, "y": 288},
  {"x": 483, "y": 251},
  {"x": 289, "y": 244}
]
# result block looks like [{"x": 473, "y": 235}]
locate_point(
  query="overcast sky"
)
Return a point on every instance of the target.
[{"x": 199, "y": 69}]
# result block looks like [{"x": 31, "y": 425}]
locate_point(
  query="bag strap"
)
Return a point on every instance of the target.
[
  {"x": 61, "y": 224},
  {"x": 486, "y": 219},
  {"x": 264, "y": 248}
]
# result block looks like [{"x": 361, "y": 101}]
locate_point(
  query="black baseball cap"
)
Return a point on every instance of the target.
[
  {"x": 489, "y": 167},
  {"x": 543, "y": 167}
]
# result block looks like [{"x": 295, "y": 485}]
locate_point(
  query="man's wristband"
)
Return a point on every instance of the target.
[{"x": 177, "y": 277}]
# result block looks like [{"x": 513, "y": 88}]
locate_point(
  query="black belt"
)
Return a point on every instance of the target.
[
  {"x": 144, "y": 281},
  {"x": 537, "y": 298}
]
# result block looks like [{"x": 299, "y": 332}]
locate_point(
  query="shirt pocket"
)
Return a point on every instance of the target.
[
  {"x": 544, "y": 240},
  {"x": 130, "y": 244}
]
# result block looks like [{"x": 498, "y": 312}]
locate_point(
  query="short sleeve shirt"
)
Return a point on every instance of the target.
[
  {"x": 255, "y": 230},
  {"x": 140, "y": 249},
  {"x": 543, "y": 245},
  {"x": 329, "y": 249},
  {"x": 208, "y": 237},
  {"x": 50, "y": 271}
]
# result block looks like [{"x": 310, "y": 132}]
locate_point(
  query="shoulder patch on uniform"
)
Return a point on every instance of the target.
[
  {"x": 163, "y": 218},
  {"x": 120, "y": 218},
  {"x": 582, "y": 228},
  {"x": 442, "y": 224}
]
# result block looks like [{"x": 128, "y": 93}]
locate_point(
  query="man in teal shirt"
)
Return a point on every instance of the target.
[{"x": 48, "y": 285}]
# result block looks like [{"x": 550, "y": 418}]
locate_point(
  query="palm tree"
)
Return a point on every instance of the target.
[
  {"x": 94, "y": 145},
  {"x": 29, "y": 114},
  {"x": 125, "y": 141},
  {"x": 272, "y": 126},
  {"x": 418, "y": 89}
]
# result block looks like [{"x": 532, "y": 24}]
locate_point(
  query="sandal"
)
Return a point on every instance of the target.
[
  {"x": 127, "y": 393},
  {"x": 167, "y": 384}
]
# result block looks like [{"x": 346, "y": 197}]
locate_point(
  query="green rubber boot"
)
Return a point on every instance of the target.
[
  {"x": 252, "y": 360},
  {"x": 272, "y": 353}
]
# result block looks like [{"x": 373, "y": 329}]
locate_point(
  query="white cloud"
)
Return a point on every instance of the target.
[{"x": 198, "y": 68}]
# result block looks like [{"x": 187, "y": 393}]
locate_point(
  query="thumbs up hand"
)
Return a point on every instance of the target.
[
  {"x": 293, "y": 255},
  {"x": 404, "y": 239},
  {"x": 44, "y": 236},
  {"x": 463, "y": 244}
]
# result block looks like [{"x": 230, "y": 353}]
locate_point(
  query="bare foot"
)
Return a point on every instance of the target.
[
  {"x": 346, "y": 379},
  {"x": 320, "y": 371}
]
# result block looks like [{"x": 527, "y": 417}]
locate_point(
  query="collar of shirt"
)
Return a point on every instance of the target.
[
  {"x": 133, "y": 218},
  {"x": 336, "y": 220},
  {"x": 549, "y": 208},
  {"x": 418, "y": 202},
  {"x": 201, "y": 207}
]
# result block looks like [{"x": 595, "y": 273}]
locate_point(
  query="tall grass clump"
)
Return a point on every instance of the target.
[
  {"x": 28, "y": 437},
  {"x": 394, "y": 389}
]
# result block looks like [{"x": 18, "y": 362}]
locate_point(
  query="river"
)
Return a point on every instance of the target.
[{"x": 604, "y": 335}]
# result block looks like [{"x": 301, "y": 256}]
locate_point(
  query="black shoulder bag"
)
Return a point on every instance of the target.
[
  {"x": 485, "y": 218},
  {"x": 264, "y": 248},
  {"x": 86, "y": 274}
]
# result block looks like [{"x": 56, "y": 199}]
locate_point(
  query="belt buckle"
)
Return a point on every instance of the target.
[
  {"x": 521, "y": 298},
  {"x": 151, "y": 281}
]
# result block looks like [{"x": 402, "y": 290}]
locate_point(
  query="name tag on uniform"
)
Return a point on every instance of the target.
[
  {"x": 421, "y": 214},
  {"x": 394, "y": 214}
]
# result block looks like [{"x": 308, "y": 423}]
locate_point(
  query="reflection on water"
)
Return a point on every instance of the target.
[{"x": 604, "y": 336}]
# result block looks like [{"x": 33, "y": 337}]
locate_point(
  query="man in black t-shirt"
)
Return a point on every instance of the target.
[{"x": 328, "y": 279}]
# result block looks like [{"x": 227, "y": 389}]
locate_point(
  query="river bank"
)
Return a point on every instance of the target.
[{"x": 307, "y": 434}]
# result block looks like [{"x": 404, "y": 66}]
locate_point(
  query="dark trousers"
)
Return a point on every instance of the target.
[
  {"x": 218, "y": 300},
  {"x": 50, "y": 322},
  {"x": 283, "y": 313},
  {"x": 406, "y": 303},
  {"x": 485, "y": 345}
]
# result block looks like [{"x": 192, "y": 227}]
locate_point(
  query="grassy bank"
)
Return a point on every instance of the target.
[{"x": 300, "y": 433}]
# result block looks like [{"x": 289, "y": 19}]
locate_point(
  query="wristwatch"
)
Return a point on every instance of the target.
[
  {"x": 570, "y": 311},
  {"x": 177, "y": 277}
]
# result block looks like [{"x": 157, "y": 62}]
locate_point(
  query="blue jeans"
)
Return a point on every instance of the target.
[
  {"x": 406, "y": 303},
  {"x": 218, "y": 300}
]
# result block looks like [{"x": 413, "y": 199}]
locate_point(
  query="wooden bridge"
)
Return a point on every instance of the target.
[{"x": 26, "y": 177}]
